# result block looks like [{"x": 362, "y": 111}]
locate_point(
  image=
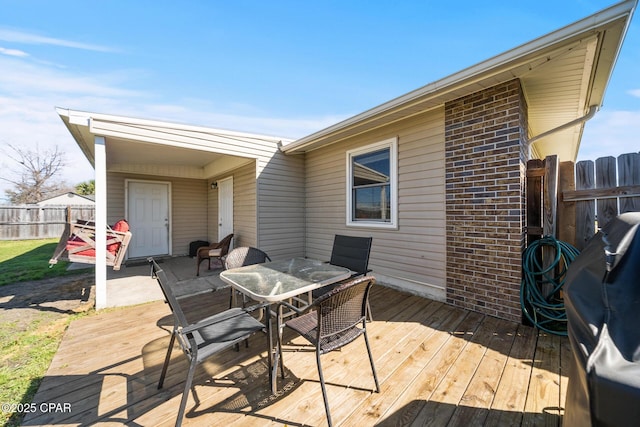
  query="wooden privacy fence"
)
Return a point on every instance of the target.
[
  {"x": 39, "y": 222},
  {"x": 571, "y": 202}
]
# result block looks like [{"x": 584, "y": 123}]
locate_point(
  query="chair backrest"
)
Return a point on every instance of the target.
[
  {"x": 225, "y": 244},
  {"x": 164, "y": 282},
  {"x": 245, "y": 255},
  {"x": 351, "y": 252},
  {"x": 343, "y": 308}
]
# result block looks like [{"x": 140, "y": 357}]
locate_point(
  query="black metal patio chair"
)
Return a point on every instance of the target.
[
  {"x": 202, "y": 339},
  {"x": 351, "y": 252},
  {"x": 337, "y": 319}
]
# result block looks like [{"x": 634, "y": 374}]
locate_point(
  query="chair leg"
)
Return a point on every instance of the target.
[
  {"x": 324, "y": 390},
  {"x": 185, "y": 393},
  {"x": 373, "y": 368},
  {"x": 369, "y": 315},
  {"x": 198, "y": 261},
  {"x": 166, "y": 360}
]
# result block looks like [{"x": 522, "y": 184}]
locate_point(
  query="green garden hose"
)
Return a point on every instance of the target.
[{"x": 546, "y": 313}]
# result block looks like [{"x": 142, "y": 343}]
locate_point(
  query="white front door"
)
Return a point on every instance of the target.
[
  {"x": 225, "y": 207},
  {"x": 148, "y": 216}
]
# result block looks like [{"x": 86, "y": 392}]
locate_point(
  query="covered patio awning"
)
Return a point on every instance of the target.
[{"x": 148, "y": 147}]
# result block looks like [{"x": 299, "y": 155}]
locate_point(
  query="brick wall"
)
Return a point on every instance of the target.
[{"x": 485, "y": 154}]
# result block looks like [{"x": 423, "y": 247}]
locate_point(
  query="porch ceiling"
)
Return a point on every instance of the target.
[
  {"x": 122, "y": 151},
  {"x": 130, "y": 156}
]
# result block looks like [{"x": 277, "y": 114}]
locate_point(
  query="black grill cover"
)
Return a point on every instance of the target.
[{"x": 602, "y": 300}]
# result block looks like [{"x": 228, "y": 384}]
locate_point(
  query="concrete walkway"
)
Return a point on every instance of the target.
[{"x": 132, "y": 284}]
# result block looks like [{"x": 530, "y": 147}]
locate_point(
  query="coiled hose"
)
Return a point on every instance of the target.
[{"x": 546, "y": 313}]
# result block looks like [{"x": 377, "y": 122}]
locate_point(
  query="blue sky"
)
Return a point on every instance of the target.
[{"x": 284, "y": 68}]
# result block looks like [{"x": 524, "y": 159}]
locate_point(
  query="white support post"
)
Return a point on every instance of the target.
[{"x": 101, "y": 221}]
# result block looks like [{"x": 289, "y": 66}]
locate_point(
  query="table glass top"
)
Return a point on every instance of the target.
[{"x": 278, "y": 280}]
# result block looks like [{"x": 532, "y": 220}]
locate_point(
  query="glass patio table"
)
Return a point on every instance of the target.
[{"x": 277, "y": 281}]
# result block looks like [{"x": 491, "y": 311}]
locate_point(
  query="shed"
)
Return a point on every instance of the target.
[{"x": 67, "y": 199}]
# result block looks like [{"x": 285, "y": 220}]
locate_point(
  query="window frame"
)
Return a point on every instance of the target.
[{"x": 392, "y": 145}]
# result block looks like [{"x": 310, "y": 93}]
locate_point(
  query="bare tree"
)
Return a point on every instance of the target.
[{"x": 33, "y": 177}]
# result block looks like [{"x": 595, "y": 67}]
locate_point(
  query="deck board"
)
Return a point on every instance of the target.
[
  {"x": 479, "y": 394},
  {"x": 508, "y": 404},
  {"x": 543, "y": 398},
  {"x": 437, "y": 365}
]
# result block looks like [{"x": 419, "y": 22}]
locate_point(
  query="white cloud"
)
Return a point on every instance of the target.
[
  {"x": 29, "y": 93},
  {"x": 35, "y": 39},
  {"x": 21, "y": 77},
  {"x": 635, "y": 92},
  {"x": 611, "y": 133},
  {"x": 13, "y": 52}
]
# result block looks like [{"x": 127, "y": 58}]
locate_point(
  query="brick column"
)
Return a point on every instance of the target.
[{"x": 485, "y": 158}]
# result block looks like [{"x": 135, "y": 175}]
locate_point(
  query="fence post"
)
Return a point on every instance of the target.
[
  {"x": 534, "y": 200},
  {"x": 606, "y": 178},
  {"x": 629, "y": 174},
  {"x": 585, "y": 209},
  {"x": 550, "y": 203},
  {"x": 550, "y": 207},
  {"x": 567, "y": 210}
]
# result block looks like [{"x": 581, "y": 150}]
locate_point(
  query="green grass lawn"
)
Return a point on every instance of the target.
[
  {"x": 27, "y": 350},
  {"x": 23, "y": 260},
  {"x": 25, "y": 356}
]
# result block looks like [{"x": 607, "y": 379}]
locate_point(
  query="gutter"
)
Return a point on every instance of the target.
[{"x": 592, "y": 112}]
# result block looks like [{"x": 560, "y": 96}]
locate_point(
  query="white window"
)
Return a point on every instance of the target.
[{"x": 372, "y": 185}]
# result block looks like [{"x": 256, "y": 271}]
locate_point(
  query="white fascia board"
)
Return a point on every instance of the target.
[
  {"x": 102, "y": 121},
  {"x": 105, "y": 119}
]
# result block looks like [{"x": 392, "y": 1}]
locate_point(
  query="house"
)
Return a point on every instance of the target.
[
  {"x": 436, "y": 176},
  {"x": 67, "y": 199}
]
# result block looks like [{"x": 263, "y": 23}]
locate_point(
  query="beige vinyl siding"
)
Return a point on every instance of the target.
[
  {"x": 188, "y": 207},
  {"x": 274, "y": 220},
  {"x": 188, "y": 213},
  {"x": 115, "y": 197},
  {"x": 244, "y": 206},
  {"x": 413, "y": 256},
  {"x": 281, "y": 206}
]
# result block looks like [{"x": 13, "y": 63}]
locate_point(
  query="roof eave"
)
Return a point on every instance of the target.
[
  {"x": 84, "y": 126},
  {"x": 598, "y": 22}
]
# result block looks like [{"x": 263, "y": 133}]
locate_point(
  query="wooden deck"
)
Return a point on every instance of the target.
[{"x": 437, "y": 365}]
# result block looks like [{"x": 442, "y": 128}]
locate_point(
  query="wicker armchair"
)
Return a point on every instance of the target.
[
  {"x": 338, "y": 319},
  {"x": 245, "y": 255},
  {"x": 240, "y": 257},
  {"x": 219, "y": 251}
]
